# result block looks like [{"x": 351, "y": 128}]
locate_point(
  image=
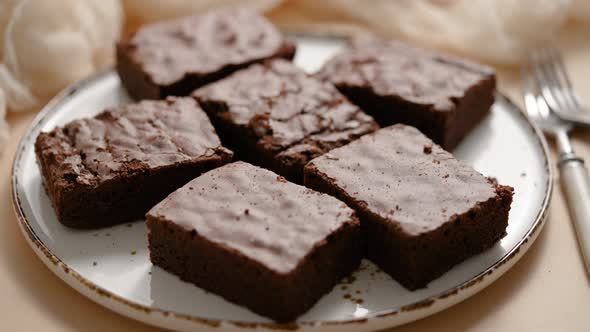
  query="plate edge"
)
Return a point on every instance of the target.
[{"x": 449, "y": 296}]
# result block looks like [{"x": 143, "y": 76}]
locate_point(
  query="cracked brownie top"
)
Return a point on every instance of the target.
[
  {"x": 130, "y": 138},
  {"x": 288, "y": 112}
]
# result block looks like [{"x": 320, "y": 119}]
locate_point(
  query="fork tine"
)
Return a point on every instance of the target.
[
  {"x": 556, "y": 55},
  {"x": 554, "y": 84},
  {"x": 530, "y": 98},
  {"x": 553, "y": 81},
  {"x": 547, "y": 80},
  {"x": 563, "y": 77},
  {"x": 537, "y": 60}
]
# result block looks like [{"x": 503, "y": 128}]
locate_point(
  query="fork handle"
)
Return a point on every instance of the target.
[{"x": 576, "y": 185}]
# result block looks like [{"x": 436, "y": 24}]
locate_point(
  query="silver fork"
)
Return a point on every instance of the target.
[
  {"x": 573, "y": 172},
  {"x": 555, "y": 86}
]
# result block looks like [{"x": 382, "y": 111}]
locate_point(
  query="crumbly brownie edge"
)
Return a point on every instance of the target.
[
  {"x": 418, "y": 260},
  {"x": 136, "y": 82},
  {"x": 237, "y": 278},
  {"x": 470, "y": 111}
]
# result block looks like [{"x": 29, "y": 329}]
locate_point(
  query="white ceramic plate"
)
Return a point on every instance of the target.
[{"x": 111, "y": 266}]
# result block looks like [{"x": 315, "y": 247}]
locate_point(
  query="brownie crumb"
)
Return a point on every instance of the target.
[
  {"x": 331, "y": 157},
  {"x": 247, "y": 212},
  {"x": 428, "y": 148}
]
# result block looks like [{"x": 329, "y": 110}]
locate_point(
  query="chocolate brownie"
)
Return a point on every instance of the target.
[
  {"x": 276, "y": 116},
  {"x": 422, "y": 210},
  {"x": 114, "y": 167},
  {"x": 256, "y": 239},
  {"x": 175, "y": 57},
  {"x": 443, "y": 96}
]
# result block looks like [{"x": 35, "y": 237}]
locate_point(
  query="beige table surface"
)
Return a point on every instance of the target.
[{"x": 547, "y": 290}]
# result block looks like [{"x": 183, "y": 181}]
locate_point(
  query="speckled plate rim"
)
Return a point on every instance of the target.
[{"x": 168, "y": 319}]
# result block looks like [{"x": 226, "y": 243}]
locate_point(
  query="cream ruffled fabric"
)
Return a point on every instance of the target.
[{"x": 46, "y": 45}]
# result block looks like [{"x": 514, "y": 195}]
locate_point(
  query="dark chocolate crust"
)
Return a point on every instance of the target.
[
  {"x": 422, "y": 210},
  {"x": 113, "y": 167},
  {"x": 276, "y": 116},
  {"x": 176, "y": 57},
  {"x": 247, "y": 234},
  {"x": 443, "y": 96}
]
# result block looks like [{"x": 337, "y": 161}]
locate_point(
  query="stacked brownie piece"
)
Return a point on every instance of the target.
[{"x": 246, "y": 232}]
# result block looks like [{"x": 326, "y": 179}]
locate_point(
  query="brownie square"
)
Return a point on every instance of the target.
[
  {"x": 247, "y": 234},
  {"x": 276, "y": 116},
  {"x": 422, "y": 210},
  {"x": 443, "y": 96},
  {"x": 114, "y": 167},
  {"x": 175, "y": 57}
]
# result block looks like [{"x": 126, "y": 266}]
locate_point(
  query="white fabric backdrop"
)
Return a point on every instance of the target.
[{"x": 46, "y": 45}]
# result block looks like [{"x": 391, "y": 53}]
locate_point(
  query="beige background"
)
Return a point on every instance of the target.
[{"x": 547, "y": 289}]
